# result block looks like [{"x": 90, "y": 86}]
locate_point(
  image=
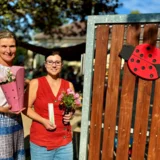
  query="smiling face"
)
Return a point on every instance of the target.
[
  {"x": 53, "y": 65},
  {"x": 7, "y": 51}
]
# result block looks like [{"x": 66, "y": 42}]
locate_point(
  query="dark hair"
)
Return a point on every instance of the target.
[
  {"x": 56, "y": 53},
  {"x": 53, "y": 54}
]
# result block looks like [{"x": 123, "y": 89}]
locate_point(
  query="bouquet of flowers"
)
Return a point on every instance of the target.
[
  {"x": 12, "y": 84},
  {"x": 69, "y": 101},
  {"x": 6, "y": 76}
]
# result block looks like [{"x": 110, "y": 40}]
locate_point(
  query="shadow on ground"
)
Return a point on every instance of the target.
[{"x": 27, "y": 148}]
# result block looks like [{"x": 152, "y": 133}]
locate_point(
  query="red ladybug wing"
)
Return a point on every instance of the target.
[
  {"x": 142, "y": 68},
  {"x": 148, "y": 52}
]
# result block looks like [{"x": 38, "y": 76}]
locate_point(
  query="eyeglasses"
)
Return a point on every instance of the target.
[{"x": 57, "y": 63}]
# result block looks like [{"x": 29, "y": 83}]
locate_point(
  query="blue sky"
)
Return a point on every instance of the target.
[{"x": 143, "y": 6}]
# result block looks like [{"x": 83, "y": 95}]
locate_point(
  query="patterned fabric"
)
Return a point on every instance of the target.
[{"x": 11, "y": 134}]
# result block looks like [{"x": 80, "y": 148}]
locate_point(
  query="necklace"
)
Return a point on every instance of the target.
[{"x": 55, "y": 100}]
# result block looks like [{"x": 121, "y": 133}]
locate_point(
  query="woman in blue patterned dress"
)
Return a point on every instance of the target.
[{"x": 11, "y": 128}]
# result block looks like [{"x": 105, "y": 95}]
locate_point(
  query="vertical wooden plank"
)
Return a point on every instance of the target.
[
  {"x": 143, "y": 102},
  {"x": 154, "y": 142},
  {"x": 98, "y": 91},
  {"x": 127, "y": 98},
  {"x": 141, "y": 120},
  {"x": 112, "y": 92}
]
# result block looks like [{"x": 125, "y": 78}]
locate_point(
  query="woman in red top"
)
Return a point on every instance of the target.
[{"x": 49, "y": 141}]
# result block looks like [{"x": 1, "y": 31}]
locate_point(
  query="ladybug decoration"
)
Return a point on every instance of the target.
[{"x": 143, "y": 60}]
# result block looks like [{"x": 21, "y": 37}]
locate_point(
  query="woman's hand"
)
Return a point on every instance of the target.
[
  {"x": 67, "y": 117},
  {"x": 18, "y": 112},
  {"x": 7, "y": 109},
  {"x": 48, "y": 125}
]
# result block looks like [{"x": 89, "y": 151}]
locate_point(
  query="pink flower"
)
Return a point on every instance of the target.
[
  {"x": 5, "y": 79},
  {"x": 60, "y": 97},
  {"x": 77, "y": 102},
  {"x": 69, "y": 100},
  {"x": 1, "y": 79},
  {"x": 76, "y": 95},
  {"x": 13, "y": 77},
  {"x": 70, "y": 91}
]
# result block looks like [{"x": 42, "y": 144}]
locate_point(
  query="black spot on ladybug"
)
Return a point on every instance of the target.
[
  {"x": 138, "y": 61},
  {"x": 137, "y": 50},
  {"x": 141, "y": 55},
  {"x": 150, "y": 67},
  {"x": 154, "y": 60},
  {"x": 150, "y": 55},
  {"x": 135, "y": 69},
  {"x": 151, "y": 75},
  {"x": 143, "y": 67},
  {"x": 148, "y": 48},
  {"x": 132, "y": 60}
]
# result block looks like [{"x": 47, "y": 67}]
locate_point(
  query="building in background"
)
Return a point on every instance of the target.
[{"x": 64, "y": 36}]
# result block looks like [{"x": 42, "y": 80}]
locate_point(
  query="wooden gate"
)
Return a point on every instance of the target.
[{"x": 121, "y": 112}]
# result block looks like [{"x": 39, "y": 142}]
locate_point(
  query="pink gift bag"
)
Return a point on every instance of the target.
[{"x": 14, "y": 91}]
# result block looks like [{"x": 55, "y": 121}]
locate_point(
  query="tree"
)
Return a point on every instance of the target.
[
  {"x": 27, "y": 16},
  {"x": 135, "y": 12}
]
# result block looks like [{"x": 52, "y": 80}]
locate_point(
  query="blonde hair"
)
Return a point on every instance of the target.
[{"x": 7, "y": 34}]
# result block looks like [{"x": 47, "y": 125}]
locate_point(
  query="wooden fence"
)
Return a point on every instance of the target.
[{"x": 121, "y": 112}]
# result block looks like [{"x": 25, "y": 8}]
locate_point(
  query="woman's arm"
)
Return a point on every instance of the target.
[
  {"x": 30, "y": 97},
  {"x": 71, "y": 86},
  {"x": 5, "y": 109}
]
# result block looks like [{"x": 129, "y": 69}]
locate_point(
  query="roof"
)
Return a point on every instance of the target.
[{"x": 76, "y": 29}]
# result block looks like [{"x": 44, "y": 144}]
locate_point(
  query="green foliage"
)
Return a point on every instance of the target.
[
  {"x": 135, "y": 12},
  {"x": 22, "y": 16},
  {"x": 21, "y": 55},
  {"x": 68, "y": 100}
]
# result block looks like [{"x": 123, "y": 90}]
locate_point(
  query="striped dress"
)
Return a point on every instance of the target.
[{"x": 11, "y": 134}]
